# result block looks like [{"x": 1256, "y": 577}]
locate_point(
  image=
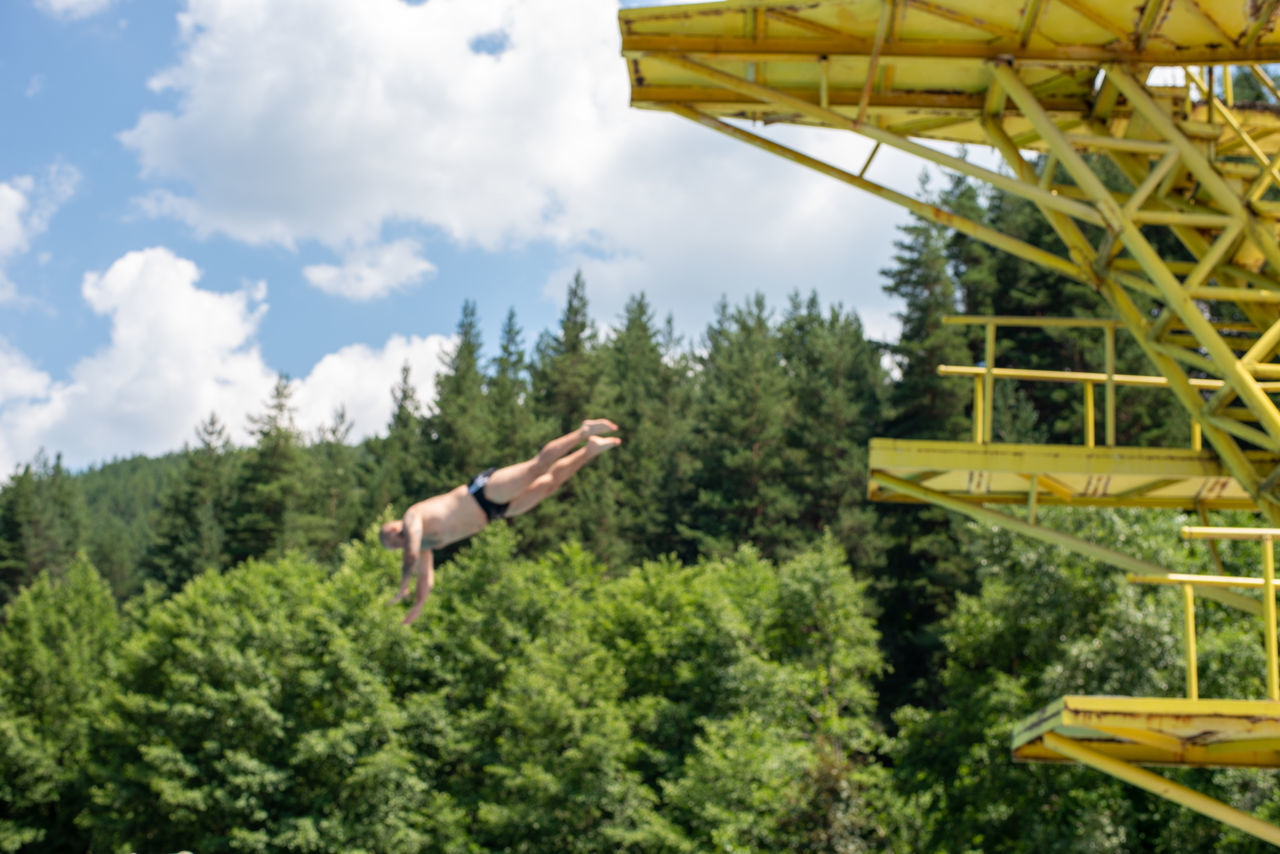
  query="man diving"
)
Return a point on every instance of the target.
[{"x": 497, "y": 493}]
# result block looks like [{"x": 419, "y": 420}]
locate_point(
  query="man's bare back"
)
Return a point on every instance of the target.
[{"x": 495, "y": 494}]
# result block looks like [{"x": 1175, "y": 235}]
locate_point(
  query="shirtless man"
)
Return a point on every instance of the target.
[{"x": 492, "y": 494}]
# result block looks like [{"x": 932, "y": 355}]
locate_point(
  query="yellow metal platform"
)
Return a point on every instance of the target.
[
  {"x": 1058, "y": 87},
  {"x": 1171, "y": 478},
  {"x": 1117, "y": 734},
  {"x": 1065, "y": 79},
  {"x": 920, "y": 68},
  {"x": 1156, "y": 731}
]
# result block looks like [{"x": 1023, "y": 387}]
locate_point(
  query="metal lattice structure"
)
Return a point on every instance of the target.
[{"x": 1068, "y": 83}]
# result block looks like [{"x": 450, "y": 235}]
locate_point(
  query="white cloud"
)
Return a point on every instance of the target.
[
  {"x": 72, "y": 9},
  {"x": 373, "y": 271},
  {"x": 1167, "y": 76},
  {"x": 327, "y": 120},
  {"x": 360, "y": 378},
  {"x": 176, "y": 353},
  {"x": 21, "y": 378},
  {"x": 322, "y": 120},
  {"x": 26, "y": 206},
  {"x": 13, "y": 208}
]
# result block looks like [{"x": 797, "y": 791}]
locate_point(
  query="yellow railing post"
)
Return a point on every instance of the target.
[
  {"x": 1110, "y": 399},
  {"x": 1189, "y": 628},
  {"x": 1088, "y": 415},
  {"x": 989, "y": 381},
  {"x": 986, "y": 375},
  {"x": 978, "y": 432},
  {"x": 1197, "y": 435},
  {"x": 1269, "y": 615},
  {"x": 1267, "y": 537}
]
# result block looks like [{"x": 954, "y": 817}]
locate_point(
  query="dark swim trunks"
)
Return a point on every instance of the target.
[{"x": 476, "y": 488}]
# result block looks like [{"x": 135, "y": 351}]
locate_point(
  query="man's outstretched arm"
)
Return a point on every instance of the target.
[
  {"x": 411, "y": 535},
  {"x": 425, "y": 565}
]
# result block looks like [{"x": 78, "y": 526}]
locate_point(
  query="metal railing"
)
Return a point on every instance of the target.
[
  {"x": 1189, "y": 583},
  {"x": 985, "y": 375}
]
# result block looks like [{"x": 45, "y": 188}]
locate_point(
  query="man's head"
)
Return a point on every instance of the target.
[{"x": 392, "y": 535}]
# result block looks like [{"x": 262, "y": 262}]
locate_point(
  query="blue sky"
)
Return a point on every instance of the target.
[{"x": 197, "y": 196}]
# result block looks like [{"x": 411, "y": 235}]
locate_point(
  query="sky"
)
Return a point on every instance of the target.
[{"x": 198, "y": 197}]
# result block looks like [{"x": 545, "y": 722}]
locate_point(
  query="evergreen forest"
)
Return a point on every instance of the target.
[{"x": 708, "y": 640}]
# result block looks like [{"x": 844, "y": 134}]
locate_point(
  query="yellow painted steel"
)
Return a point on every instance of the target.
[
  {"x": 1208, "y": 532},
  {"x": 1074, "y": 83},
  {"x": 1061, "y": 78},
  {"x": 1163, "y": 787},
  {"x": 1071, "y": 475},
  {"x": 1179, "y": 731},
  {"x": 976, "y": 510},
  {"x": 1269, "y": 614},
  {"x": 1089, "y": 377},
  {"x": 1189, "y": 640},
  {"x": 1267, "y": 584},
  {"x": 1184, "y": 579}
]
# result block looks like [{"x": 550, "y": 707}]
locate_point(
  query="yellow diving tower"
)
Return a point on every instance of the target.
[{"x": 1076, "y": 82}]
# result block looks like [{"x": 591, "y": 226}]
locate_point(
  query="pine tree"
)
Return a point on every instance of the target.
[
  {"x": 564, "y": 374},
  {"x": 271, "y": 511},
  {"x": 640, "y": 388},
  {"x": 395, "y": 469},
  {"x": 740, "y": 437},
  {"x": 335, "y": 486},
  {"x": 923, "y": 570},
  {"x": 42, "y": 522},
  {"x": 565, "y": 370},
  {"x": 925, "y": 405},
  {"x": 190, "y": 531},
  {"x": 123, "y": 500},
  {"x": 461, "y": 422},
  {"x": 837, "y": 390},
  {"x": 509, "y": 395}
]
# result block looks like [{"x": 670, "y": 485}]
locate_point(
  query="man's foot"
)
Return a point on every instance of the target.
[
  {"x": 596, "y": 426},
  {"x": 597, "y": 445}
]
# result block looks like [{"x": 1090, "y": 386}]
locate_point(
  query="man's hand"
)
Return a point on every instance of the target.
[
  {"x": 426, "y": 580},
  {"x": 596, "y": 426}
]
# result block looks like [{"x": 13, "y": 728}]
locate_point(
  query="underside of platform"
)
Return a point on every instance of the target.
[
  {"x": 920, "y": 68},
  {"x": 1115, "y": 735},
  {"x": 1156, "y": 731},
  {"x": 1171, "y": 478},
  {"x": 1058, "y": 87}
]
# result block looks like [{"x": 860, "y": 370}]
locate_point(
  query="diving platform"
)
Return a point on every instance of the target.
[
  {"x": 1154, "y": 731},
  {"x": 1116, "y": 735},
  {"x": 1058, "y": 89},
  {"x": 1072, "y": 475}
]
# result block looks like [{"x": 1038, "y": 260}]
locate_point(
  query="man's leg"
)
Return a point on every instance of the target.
[
  {"x": 507, "y": 483},
  {"x": 561, "y": 471}
]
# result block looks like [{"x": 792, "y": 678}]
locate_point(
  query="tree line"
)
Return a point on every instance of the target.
[
  {"x": 708, "y": 639},
  {"x": 759, "y": 438}
]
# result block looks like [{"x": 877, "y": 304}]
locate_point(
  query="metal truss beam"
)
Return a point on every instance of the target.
[
  {"x": 851, "y": 48},
  {"x": 1162, "y": 787},
  {"x": 1064, "y": 79},
  {"x": 1093, "y": 551},
  {"x": 1214, "y": 231}
]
